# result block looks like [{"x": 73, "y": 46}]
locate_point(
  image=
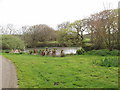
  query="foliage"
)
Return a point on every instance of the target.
[
  {"x": 75, "y": 71},
  {"x": 68, "y": 38},
  {"x": 99, "y": 30},
  {"x": 12, "y": 42},
  {"x": 107, "y": 62},
  {"x": 80, "y": 51},
  {"x": 22, "y": 52},
  {"x": 71, "y": 34},
  {"x": 88, "y": 48},
  {"x": 86, "y": 40},
  {"x": 103, "y": 52},
  {"x": 38, "y": 33},
  {"x": 49, "y": 44},
  {"x": 31, "y": 51},
  {"x": 101, "y": 27},
  {"x": 5, "y": 51}
]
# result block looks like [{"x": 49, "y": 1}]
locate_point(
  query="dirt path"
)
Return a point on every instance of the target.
[{"x": 8, "y": 72}]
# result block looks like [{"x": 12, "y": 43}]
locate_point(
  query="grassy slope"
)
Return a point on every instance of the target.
[{"x": 67, "y": 72}]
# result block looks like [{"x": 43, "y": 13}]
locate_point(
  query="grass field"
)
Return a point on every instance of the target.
[{"x": 76, "y": 71}]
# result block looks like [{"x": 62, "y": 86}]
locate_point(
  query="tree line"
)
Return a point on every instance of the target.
[{"x": 102, "y": 29}]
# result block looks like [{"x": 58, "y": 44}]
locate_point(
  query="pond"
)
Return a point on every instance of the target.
[{"x": 67, "y": 50}]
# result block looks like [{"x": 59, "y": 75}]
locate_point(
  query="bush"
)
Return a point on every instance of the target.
[
  {"x": 30, "y": 51},
  {"x": 88, "y": 48},
  {"x": 12, "y": 42},
  {"x": 5, "y": 51},
  {"x": 103, "y": 52},
  {"x": 87, "y": 40},
  {"x": 80, "y": 51},
  {"x": 49, "y": 44},
  {"x": 115, "y": 53},
  {"x": 107, "y": 62},
  {"x": 22, "y": 52},
  {"x": 117, "y": 46}
]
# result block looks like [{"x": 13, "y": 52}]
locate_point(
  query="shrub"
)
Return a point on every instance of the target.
[
  {"x": 31, "y": 51},
  {"x": 80, "y": 51},
  {"x": 48, "y": 44},
  {"x": 7, "y": 51},
  {"x": 115, "y": 53},
  {"x": 103, "y": 52},
  {"x": 88, "y": 48},
  {"x": 38, "y": 51},
  {"x": 12, "y": 42},
  {"x": 87, "y": 40},
  {"x": 107, "y": 62},
  {"x": 22, "y": 52}
]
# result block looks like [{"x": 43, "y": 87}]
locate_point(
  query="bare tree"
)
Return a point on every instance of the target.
[
  {"x": 64, "y": 25},
  {"x": 103, "y": 27},
  {"x": 9, "y": 29},
  {"x": 39, "y": 33}
]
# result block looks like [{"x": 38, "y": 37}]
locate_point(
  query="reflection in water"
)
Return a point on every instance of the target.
[{"x": 67, "y": 50}]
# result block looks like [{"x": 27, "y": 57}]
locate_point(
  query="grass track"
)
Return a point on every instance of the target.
[{"x": 66, "y": 72}]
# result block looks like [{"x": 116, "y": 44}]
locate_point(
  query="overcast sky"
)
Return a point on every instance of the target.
[{"x": 50, "y": 12}]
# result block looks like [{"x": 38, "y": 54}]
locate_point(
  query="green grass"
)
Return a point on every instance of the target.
[
  {"x": 86, "y": 40},
  {"x": 107, "y": 62},
  {"x": 103, "y": 52},
  {"x": 52, "y": 41},
  {"x": 76, "y": 71},
  {"x": 49, "y": 42}
]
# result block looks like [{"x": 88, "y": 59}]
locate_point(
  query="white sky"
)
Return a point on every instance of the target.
[{"x": 50, "y": 12}]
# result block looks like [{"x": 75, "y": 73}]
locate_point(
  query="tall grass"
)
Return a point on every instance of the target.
[
  {"x": 103, "y": 52},
  {"x": 107, "y": 62}
]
